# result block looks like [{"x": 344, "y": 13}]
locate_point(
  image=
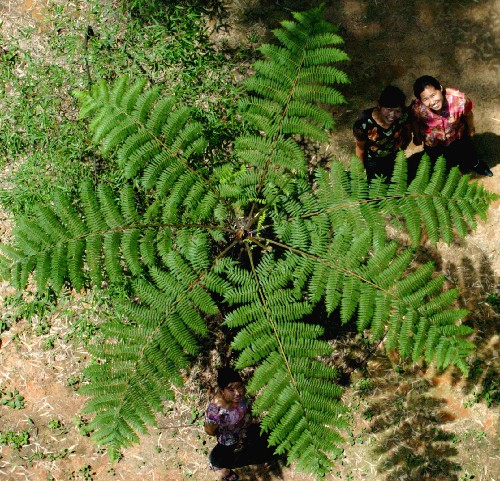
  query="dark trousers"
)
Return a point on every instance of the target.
[
  {"x": 460, "y": 152},
  {"x": 253, "y": 451},
  {"x": 382, "y": 167}
]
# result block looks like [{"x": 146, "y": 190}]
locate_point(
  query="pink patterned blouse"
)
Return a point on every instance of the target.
[
  {"x": 232, "y": 422},
  {"x": 449, "y": 124}
]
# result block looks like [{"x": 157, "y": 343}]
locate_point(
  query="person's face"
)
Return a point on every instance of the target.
[
  {"x": 390, "y": 114},
  {"x": 432, "y": 98},
  {"x": 233, "y": 392}
]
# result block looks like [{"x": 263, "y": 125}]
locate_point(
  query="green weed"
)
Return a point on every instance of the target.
[
  {"x": 41, "y": 136},
  {"x": 86, "y": 472},
  {"x": 15, "y": 440},
  {"x": 13, "y": 400},
  {"x": 494, "y": 301}
]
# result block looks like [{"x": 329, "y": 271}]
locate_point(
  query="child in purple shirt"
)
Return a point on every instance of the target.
[{"x": 239, "y": 442}]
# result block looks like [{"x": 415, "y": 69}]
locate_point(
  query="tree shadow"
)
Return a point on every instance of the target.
[
  {"x": 407, "y": 424},
  {"x": 488, "y": 147},
  {"x": 263, "y": 472},
  {"x": 470, "y": 270}
]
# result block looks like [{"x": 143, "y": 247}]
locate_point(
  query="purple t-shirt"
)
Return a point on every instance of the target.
[{"x": 231, "y": 422}]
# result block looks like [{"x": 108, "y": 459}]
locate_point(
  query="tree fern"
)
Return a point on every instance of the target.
[{"x": 184, "y": 239}]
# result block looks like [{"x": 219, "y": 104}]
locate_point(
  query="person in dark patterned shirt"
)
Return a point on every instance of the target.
[
  {"x": 227, "y": 416},
  {"x": 381, "y": 131}
]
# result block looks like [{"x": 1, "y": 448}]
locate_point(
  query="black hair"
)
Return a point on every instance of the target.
[
  {"x": 423, "y": 82},
  {"x": 227, "y": 375},
  {"x": 392, "y": 97}
]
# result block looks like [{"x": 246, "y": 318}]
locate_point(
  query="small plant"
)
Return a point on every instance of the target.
[
  {"x": 365, "y": 385},
  {"x": 63, "y": 453},
  {"x": 13, "y": 400},
  {"x": 42, "y": 327},
  {"x": 4, "y": 323},
  {"x": 74, "y": 382},
  {"x": 82, "y": 426},
  {"x": 494, "y": 301},
  {"x": 466, "y": 477},
  {"x": 86, "y": 472},
  {"x": 55, "y": 424},
  {"x": 49, "y": 343},
  {"x": 14, "y": 439},
  {"x": 196, "y": 417}
]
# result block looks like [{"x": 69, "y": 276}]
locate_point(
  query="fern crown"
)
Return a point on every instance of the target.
[{"x": 261, "y": 240}]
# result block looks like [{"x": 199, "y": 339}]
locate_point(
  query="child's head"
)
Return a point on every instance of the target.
[
  {"x": 429, "y": 91},
  {"x": 423, "y": 82},
  {"x": 227, "y": 375},
  {"x": 231, "y": 385},
  {"x": 392, "y": 97}
]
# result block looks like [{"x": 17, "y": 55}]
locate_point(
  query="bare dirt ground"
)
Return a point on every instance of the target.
[{"x": 409, "y": 424}]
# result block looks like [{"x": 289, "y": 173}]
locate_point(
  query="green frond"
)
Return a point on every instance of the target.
[
  {"x": 109, "y": 205},
  {"x": 324, "y": 74},
  {"x": 76, "y": 249},
  {"x": 420, "y": 338},
  {"x": 439, "y": 303},
  {"x": 318, "y": 56},
  {"x": 130, "y": 247},
  {"x": 94, "y": 260},
  {"x": 69, "y": 216},
  {"x": 42, "y": 271},
  {"x": 51, "y": 224},
  {"x": 129, "y": 99},
  {"x": 58, "y": 267},
  {"x": 319, "y": 93},
  {"x": 159, "y": 115},
  {"x": 91, "y": 208},
  {"x": 112, "y": 258},
  {"x": 254, "y": 234}
]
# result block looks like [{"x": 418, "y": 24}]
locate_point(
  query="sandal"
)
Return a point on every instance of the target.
[{"x": 232, "y": 476}]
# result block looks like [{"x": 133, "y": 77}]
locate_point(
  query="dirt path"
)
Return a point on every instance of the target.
[{"x": 399, "y": 416}]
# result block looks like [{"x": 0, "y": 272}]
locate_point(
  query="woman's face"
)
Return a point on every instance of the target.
[
  {"x": 234, "y": 392},
  {"x": 390, "y": 114},
  {"x": 432, "y": 98}
]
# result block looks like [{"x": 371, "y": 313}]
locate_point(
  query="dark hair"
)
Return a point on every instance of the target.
[
  {"x": 423, "y": 82},
  {"x": 392, "y": 97},
  {"x": 227, "y": 375}
]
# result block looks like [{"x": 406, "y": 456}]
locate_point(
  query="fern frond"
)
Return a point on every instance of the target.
[{"x": 253, "y": 233}]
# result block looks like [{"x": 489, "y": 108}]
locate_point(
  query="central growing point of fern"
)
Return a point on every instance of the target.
[{"x": 183, "y": 235}]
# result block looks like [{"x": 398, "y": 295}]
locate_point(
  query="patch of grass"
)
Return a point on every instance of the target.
[
  {"x": 14, "y": 439},
  {"x": 44, "y": 145},
  {"x": 24, "y": 308}
]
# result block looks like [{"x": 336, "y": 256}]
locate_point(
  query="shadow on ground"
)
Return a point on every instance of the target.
[{"x": 408, "y": 425}]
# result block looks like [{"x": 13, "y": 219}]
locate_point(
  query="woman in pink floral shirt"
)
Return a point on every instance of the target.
[
  {"x": 443, "y": 121},
  {"x": 239, "y": 442}
]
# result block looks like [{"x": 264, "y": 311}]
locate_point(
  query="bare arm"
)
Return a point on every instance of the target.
[
  {"x": 407, "y": 130},
  {"x": 417, "y": 134},
  {"x": 211, "y": 429},
  {"x": 360, "y": 149},
  {"x": 469, "y": 121}
]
